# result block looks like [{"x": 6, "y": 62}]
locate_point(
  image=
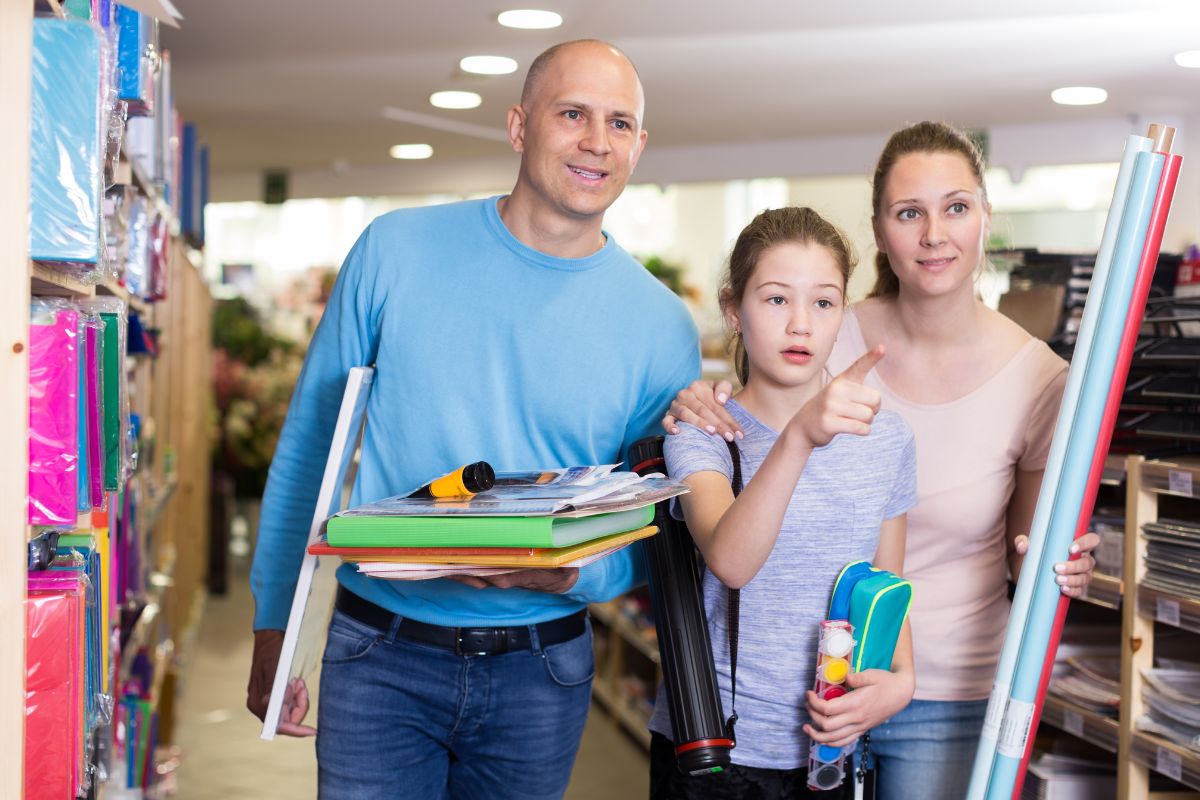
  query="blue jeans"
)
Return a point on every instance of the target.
[
  {"x": 926, "y": 751},
  {"x": 400, "y": 719}
]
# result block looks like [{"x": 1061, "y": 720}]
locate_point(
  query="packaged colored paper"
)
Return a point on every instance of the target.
[
  {"x": 54, "y": 688},
  {"x": 66, "y": 143},
  {"x": 135, "y": 35},
  {"x": 53, "y": 414}
]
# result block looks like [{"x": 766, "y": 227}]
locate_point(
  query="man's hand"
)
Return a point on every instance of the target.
[
  {"x": 554, "y": 581},
  {"x": 703, "y": 404},
  {"x": 267, "y": 645}
]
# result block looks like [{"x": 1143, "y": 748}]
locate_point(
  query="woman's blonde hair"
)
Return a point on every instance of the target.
[{"x": 924, "y": 137}]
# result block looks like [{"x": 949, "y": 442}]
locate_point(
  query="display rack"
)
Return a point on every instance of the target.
[
  {"x": 626, "y": 657},
  {"x": 1142, "y": 753},
  {"x": 173, "y": 389}
]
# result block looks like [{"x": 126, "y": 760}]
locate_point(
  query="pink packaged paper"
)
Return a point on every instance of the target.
[{"x": 53, "y": 414}]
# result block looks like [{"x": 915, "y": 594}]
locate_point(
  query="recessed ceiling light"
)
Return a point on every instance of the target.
[
  {"x": 529, "y": 18},
  {"x": 1079, "y": 96},
  {"x": 413, "y": 152},
  {"x": 455, "y": 100},
  {"x": 1188, "y": 58},
  {"x": 488, "y": 65}
]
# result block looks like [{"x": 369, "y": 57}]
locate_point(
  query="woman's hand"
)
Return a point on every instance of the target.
[
  {"x": 878, "y": 695},
  {"x": 1074, "y": 575},
  {"x": 703, "y": 404}
]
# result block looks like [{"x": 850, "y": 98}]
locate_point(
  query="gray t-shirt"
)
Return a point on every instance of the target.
[{"x": 847, "y": 490}]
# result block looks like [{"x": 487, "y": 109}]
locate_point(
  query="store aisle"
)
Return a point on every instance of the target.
[{"x": 223, "y": 758}]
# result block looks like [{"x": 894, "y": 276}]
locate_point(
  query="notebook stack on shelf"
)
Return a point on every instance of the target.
[
  {"x": 540, "y": 519},
  {"x": 1093, "y": 682},
  {"x": 1173, "y": 556},
  {"x": 1172, "y": 702}
]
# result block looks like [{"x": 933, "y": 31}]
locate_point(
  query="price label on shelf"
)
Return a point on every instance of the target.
[
  {"x": 1167, "y": 611},
  {"x": 1179, "y": 482},
  {"x": 1073, "y": 723},
  {"x": 1169, "y": 763}
]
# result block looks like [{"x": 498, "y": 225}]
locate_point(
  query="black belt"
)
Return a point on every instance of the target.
[{"x": 462, "y": 641}]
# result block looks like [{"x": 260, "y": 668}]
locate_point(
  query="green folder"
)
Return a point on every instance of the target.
[
  {"x": 458, "y": 531},
  {"x": 112, "y": 401}
]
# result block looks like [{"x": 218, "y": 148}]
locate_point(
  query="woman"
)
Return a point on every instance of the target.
[{"x": 981, "y": 396}]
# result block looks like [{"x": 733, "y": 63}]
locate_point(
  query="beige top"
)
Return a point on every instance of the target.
[{"x": 968, "y": 451}]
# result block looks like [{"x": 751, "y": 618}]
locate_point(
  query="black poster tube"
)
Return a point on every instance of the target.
[{"x": 702, "y": 743}]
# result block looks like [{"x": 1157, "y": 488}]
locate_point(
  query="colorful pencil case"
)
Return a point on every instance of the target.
[{"x": 875, "y": 602}]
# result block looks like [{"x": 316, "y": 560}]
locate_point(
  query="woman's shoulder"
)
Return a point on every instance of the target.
[{"x": 1041, "y": 359}]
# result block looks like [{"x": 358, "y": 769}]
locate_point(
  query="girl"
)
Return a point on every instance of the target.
[
  {"x": 981, "y": 396},
  {"x": 814, "y": 500}
]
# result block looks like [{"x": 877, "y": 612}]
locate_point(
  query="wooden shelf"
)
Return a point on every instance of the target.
[
  {"x": 1170, "y": 609},
  {"x": 1114, "y": 471},
  {"x": 1178, "y": 479},
  {"x": 622, "y": 627},
  {"x": 1102, "y": 731},
  {"x": 624, "y": 712},
  {"x": 1104, "y": 591},
  {"x": 1166, "y": 758},
  {"x": 52, "y": 282},
  {"x": 113, "y": 289}
]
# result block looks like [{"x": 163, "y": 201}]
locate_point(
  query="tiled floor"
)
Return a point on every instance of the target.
[{"x": 223, "y": 758}]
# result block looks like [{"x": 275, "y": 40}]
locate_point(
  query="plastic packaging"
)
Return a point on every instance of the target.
[
  {"x": 54, "y": 686},
  {"x": 835, "y": 652},
  {"x": 53, "y": 413},
  {"x": 137, "y": 44},
  {"x": 66, "y": 168},
  {"x": 94, "y": 355},
  {"x": 114, "y": 312}
]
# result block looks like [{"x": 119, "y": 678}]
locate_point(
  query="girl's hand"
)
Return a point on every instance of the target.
[
  {"x": 1074, "y": 575},
  {"x": 878, "y": 695},
  {"x": 703, "y": 404},
  {"x": 845, "y": 405}
]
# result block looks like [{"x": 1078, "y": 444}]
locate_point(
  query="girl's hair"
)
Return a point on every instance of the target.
[
  {"x": 924, "y": 137},
  {"x": 770, "y": 228}
]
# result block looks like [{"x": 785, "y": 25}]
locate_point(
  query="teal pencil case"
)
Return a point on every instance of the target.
[{"x": 876, "y": 603}]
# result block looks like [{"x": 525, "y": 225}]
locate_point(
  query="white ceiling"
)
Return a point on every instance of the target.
[{"x": 302, "y": 85}]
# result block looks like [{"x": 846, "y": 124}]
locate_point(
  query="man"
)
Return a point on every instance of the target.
[{"x": 511, "y": 330}]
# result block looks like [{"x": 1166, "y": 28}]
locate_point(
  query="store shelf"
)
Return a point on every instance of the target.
[
  {"x": 152, "y": 192},
  {"x": 1104, "y": 591},
  {"x": 621, "y": 626},
  {"x": 1078, "y": 721},
  {"x": 48, "y": 281},
  {"x": 1114, "y": 471},
  {"x": 1181, "y": 479},
  {"x": 1166, "y": 758},
  {"x": 1170, "y": 609},
  {"x": 630, "y": 718},
  {"x": 159, "y": 501},
  {"x": 112, "y": 289}
]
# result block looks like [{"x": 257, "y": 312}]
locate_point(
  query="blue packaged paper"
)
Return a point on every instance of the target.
[
  {"x": 189, "y": 183},
  {"x": 203, "y": 190},
  {"x": 133, "y": 65},
  {"x": 66, "y": 142}
]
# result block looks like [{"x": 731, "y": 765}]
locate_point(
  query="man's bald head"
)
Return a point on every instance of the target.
[{"x": 540, "y": 64}]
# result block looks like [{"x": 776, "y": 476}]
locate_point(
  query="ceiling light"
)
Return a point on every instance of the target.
[
  {"x": 529, "y": 18},
  {"x": 455, "y": 100},
  {"x": 412, "y": 152},
  {"x": 488, "y": 65},
  {"x": 1188, "y": 58},
  {"x": 1079, "y": 96}
]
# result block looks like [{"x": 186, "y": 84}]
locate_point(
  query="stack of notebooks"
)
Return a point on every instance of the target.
[
  {"x": 1173, "y": 557},
  {"x": 1172, "y": 702},
  {"x": 542, "y": 519}
]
